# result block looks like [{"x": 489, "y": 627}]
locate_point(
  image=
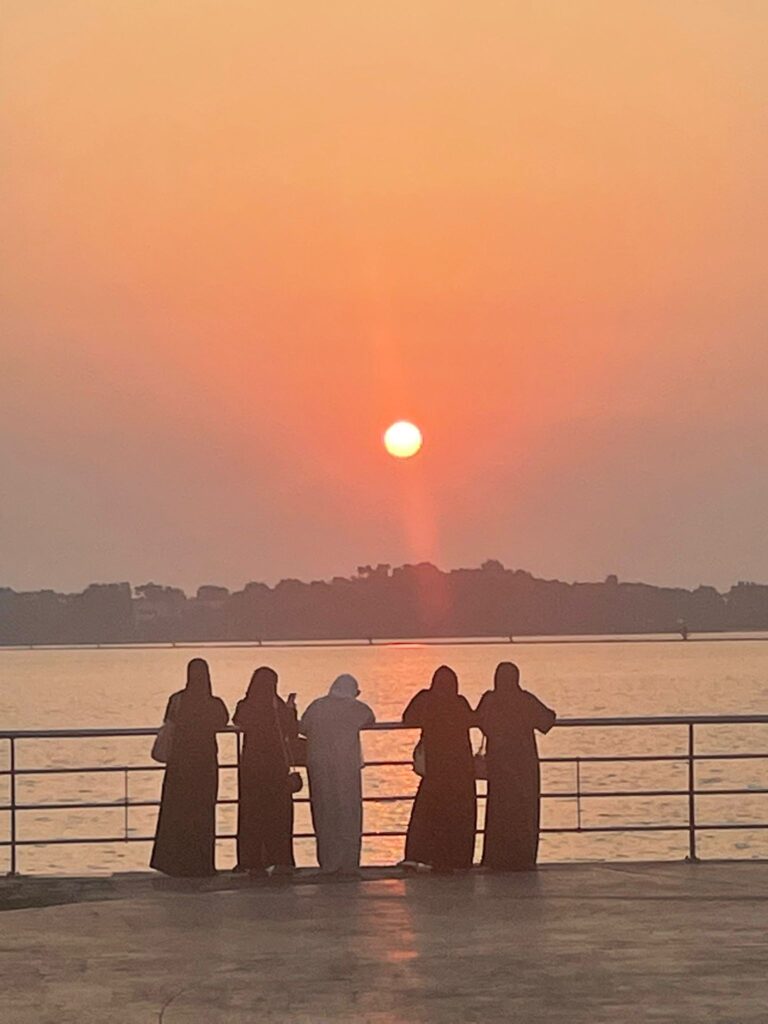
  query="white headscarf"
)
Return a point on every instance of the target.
[{"x": 344, "y": 686}]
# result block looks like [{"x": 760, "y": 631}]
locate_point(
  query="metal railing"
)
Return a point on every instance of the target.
[{"x": 689, "y": 757}]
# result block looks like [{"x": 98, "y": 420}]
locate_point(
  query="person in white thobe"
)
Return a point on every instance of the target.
[{"x": 332, "y": 726}]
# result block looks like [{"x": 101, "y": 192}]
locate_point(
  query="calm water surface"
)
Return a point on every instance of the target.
[{"x": 58, "y": 689}]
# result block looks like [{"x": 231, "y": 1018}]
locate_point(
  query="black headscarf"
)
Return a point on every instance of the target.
[
  {"x": 198, "y": 686},
  {"x": 440, "y": 706},
  {"x": 506, "y": 681},
  {"x": 445, "y": 683},
  {"x": 262, "y": 688},
  {"x": 506, "y": 678}
]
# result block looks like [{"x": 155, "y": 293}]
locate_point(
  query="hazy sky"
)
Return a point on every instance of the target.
[{"x": 240, "y": 238}]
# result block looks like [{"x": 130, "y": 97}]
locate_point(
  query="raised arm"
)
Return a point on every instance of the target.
[
  {"x": 543, "y": 718},
  {"x": 367, "y": 717},
  {"x": 289, "y": 721}
]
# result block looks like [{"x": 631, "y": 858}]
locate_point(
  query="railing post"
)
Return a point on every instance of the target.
[
  {"x": 691, "y": 795},
  {"x": 238, "y": 757},
  {"x": 12, "y": 766},
  {"x": 125, "y": 804},
  {"x": 578, "y": 793}
]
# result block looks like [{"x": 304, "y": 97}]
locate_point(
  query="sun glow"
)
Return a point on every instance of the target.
[{"x": 403, "y": 439}]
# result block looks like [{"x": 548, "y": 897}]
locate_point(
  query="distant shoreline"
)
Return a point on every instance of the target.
[
  {"x": 446, "y": 641},
  {"x": 379, "y": 605}
]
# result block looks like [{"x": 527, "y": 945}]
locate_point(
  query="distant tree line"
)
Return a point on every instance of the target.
[{"x": 377, "y": 602}]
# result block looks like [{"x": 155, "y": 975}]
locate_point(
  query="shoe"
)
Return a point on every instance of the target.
[{"x": 282, "y": 871}]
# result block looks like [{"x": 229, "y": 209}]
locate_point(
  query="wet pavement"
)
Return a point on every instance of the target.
[{"x": 604, "y": 944}]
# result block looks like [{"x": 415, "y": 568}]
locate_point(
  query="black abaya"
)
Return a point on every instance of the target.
[
  {"x": 185, "y": 836},
  {"x": 441, "y": 831},
  {"x": 265, "y": 806},
  {"x": 514, "y": 784}
]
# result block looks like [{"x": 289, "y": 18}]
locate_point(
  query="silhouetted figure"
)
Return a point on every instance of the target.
[
  {"x": 332, "y": 726},
  {"x": 186, "y": 825},
  {"x": 265, "y": 805},
  {"x": 508, "y": 716},
  {"x": 441, "y": 831}
]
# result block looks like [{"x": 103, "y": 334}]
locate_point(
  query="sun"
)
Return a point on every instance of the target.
[{"x": 403, "y": 439}]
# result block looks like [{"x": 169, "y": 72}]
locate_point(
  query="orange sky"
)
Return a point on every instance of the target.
[{"x": 239, "y": 239}]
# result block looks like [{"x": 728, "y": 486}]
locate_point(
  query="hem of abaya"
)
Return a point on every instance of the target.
[
  {"x": 508, "y": 868},
  {"x": 172, "y": 873}
]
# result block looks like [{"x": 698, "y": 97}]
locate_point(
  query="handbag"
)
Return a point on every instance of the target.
[
  {"x": 420, "y": 759},
  {"x": 481, "y": 761},
  {"x": 298, "y": 751},
  {"x": 162, "y": 748}
]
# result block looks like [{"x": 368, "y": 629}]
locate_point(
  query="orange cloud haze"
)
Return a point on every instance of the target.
[{"x": 241, "y": 238}]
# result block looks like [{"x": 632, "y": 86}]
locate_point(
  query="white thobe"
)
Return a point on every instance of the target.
[{"x": 332, "y": 726}]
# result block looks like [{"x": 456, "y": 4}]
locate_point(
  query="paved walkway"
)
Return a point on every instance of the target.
[{"x": 604, "y": 944}]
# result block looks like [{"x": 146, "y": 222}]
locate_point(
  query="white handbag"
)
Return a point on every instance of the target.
[
  {"x": 419, "y": 759},
  {"x": 162, "y": 748}
]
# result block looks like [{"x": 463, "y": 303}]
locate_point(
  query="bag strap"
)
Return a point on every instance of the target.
[{"x": 281, "y": 737}]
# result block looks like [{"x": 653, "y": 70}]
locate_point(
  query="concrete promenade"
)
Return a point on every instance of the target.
[{"x": 604, "y": 944}]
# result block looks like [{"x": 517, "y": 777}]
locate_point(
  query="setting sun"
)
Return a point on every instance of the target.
[{"x": 403, "y": 439}]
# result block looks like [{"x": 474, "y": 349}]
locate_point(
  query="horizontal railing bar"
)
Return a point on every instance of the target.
[
  {"x": 730, "y": 792},
  {"x": 596, "y": 794},
  {"x": 519, "y": 640},
  {"x": 748, "y": 826},
  {"x": 110, "y": 840},
  {"x": 107, "y": 840},
  {"x": 570, "y": 759},
  {"x": 617, "y": 758},
  {"x": 666, "y": 720},
  {"x": 730, "y": 757},
  {"x": 570, "y": 830},
  {"x": 402, "y": 798},
  {"x": 122, "y": 804},
  {"x": 648, "y": 828},
  {"x": 385, "y": 726},
  {"x": 96, "y": 769},
  {"x": 607, "y": 758}
]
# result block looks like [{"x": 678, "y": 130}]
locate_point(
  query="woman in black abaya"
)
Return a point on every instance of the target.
[
  {"x": 441, "y": 831},
  {"x": 186, "y": 825},
  {"x": 265, "y": 807},
  {"x": 510, "y": 717}
]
